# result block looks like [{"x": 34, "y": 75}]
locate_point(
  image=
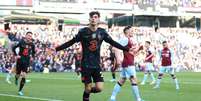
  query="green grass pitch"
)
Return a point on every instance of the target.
[{"x": 68, "y": 87}]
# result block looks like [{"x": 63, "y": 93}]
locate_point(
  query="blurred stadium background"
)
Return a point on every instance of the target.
[{"x": 56, "y": 21}]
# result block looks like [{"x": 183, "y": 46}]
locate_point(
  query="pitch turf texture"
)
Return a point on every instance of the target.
[{"x": 68, "y": 87}]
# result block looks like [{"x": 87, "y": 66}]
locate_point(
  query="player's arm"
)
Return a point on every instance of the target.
[
  {"x": 118, "y": 55},
  {"x": 172, "y": 56},
  {"x": 14, "y": 48},
  {"x": 33, "y": 50},
  {"x": 69, "y": 43},
  {"x": 107, "y": 38},
  {"x": 136, "y": 51},
  {"x": 159, "y": 57},
  {"x": 150, "y": 55}
]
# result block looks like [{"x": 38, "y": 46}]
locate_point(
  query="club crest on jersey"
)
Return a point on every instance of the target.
[
  {"x": 27, "y": 46},
  {"x": 93, "y": 35}
]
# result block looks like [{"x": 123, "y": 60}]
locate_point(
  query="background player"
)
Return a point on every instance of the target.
[
  {"x": 166, "y": 58},
  {"x": 148, "y": 63},
  {"x": 128, "y": 68}
]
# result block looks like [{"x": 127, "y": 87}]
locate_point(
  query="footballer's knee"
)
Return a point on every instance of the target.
[
  {"x": 88, "y": 88},
  {"x": 122, "y": 81},
  {"x": 133, "y": 80},
  {"x": 149, "y": 72},
  {"x": 145, "y": 72},
  {"x": 173, "y": 76},
  {"x": 98, "y": 88},
  {"x": 160, "y": 75},
  {"x": 23, "y": 74}
]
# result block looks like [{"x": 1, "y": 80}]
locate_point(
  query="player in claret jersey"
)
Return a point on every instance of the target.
[
  {"x": 91, "y": 38},
  {"x": 166, "y": 58},
  {"x": 148, "y": 63},
  {"x": 128, "y": 68}
]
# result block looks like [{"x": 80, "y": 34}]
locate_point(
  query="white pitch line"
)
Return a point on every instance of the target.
[
  {"x": 197, "y": 82},
  {"x": 28, "y": 97},
  {"x": 75, "y": 78}
]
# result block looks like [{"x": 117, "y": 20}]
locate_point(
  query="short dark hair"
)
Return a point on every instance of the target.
[
  {"x": 29, "y": 33},
  {"x": 126, "y": 28},
  {"x": 94, "y": 13},
  {"x": 148, "y": 42},
  {"x": 164, "y": 42}
]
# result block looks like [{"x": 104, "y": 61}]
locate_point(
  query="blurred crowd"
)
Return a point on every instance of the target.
[
  {"x": 186, "y": 43},
  {"x": 182, "y": 3}
]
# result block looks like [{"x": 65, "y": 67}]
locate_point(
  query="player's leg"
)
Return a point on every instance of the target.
[
  {"x": 98, "y": 87},
  {"x": 113, "y": 74},
  {"x": 117, "y": 88},
  {"x": 98, "y": 79},
  {"x": 160, "y": 75},
  {"x": 86, "y": 79},
  {"x": 145, "y": 75},
  {"x": 144, "y": 78},
  {"x": 172, "y": 74},
  {"x": 118, "y": 85},
  {"x": 24, "y": 71},
  {"x": 87, "y": 91},
  {"x": 8, "y": 76},
  {"x": 151, "y": 68},
  {"x": 133, "y": 79},
  {"x": 22, "y": 82},
  {"x": 28, "y": 71},
  {"x": 18, "y": 72}
]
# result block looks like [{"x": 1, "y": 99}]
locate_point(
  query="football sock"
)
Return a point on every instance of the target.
[
  {"x": 152, "y": 76},
  {"x": 159, "y": 80},
  {"x": 113, "y": 76},
  {"x": 135, "y": 91},
  {"x": 22, "y": 82},
  {"x": 86, "y": 96},
  {"x": 117, "y": 88},
  {"x": 145, "y": 78}
]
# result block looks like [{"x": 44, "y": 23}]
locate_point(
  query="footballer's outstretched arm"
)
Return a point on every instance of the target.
[
  {"x": 69, "y": 43},
  {"x": 33, "y": 51},
  {"x": 65, "y": 45},
  {"x": 14, "y": 47},
  {"x": 109, "y": 40}
]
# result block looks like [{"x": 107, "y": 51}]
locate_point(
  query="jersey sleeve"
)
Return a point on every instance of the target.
[
  {"x": 71, "y": 42},
  {"x": 159, "y": 56},
  {"x": 152, "y": 50},
  {"x": 172, "y": 55},
  {"x": 107, "y": 38},
  {"x": 16, "y": 46},
  {"x": 123, "y": 41},
  {"x": 33, "y": 50}
]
